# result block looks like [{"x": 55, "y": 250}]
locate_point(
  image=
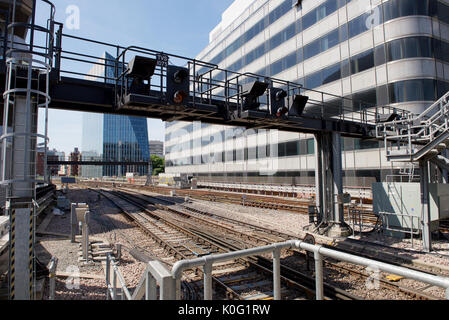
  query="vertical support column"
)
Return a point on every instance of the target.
[
  {"x": 319, "y": 286},
  {"x": 207, "y": 269},
  {"x": 337, "y": 177},
  {"x": 329, "y": 180},
  {"x": 150, "y": 289},
  {"x": 73, "y": 222},
  {"x": 178, "y": 288},
  {"x": 108, "y": 276},
  {"x": 425, "y": 216},
  {"x": 339, "y": 227},
  {"x": 277, "y": 274},
  {"x": 319, "y": 194},
  {"x": 444, "y": 172},
  {"x": 20, "y": 198},
  {"x": 85, "y": 241}
]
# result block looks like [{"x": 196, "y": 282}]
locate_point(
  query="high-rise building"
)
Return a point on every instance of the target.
[
  {"x": 156, "y": 148},
  {"x": 379, "y": 52},
  {"x": 74, "y": 169},
  {"x": 112, "y": 137}
]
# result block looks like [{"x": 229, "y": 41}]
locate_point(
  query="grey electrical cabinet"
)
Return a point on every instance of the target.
[{"x": 403, "y": 200}]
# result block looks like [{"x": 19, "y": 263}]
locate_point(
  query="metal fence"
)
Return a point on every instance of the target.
[{"x": 156, "y": 275}]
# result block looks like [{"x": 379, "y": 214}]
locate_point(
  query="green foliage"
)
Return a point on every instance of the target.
[{"x": 158, "y": 164}]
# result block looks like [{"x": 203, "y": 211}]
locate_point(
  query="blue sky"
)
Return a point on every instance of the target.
[{"x": 175, "y": 26}]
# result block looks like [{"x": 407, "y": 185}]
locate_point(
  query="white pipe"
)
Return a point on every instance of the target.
[
  {"x": 319, "y": 252},
  {"x": 277, "y": 274}
]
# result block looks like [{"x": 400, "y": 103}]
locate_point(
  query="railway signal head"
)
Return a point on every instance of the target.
[
  {"x": 250, "y": 94},
  {"x": 178, "y": 85},
  {"x": 140, "y": 70},
  {"x": 298, "y": 105},
  {"x": 277, "y": 100}
]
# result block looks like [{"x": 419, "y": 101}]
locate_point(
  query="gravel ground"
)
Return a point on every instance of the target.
[
  {"x": 109, "y": 225},
  {"x": 293, "y": 223},
  {"x": 105, "y": 217}
]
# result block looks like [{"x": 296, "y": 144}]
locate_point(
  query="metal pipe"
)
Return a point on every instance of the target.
[
  {"x": 319, "y": 286},
  {"x": 108, "y": 275},
  {"x": 179, "y": 266},
  {"x": 407, "y": 273},
  {"x": 151, "y": 292},
  {"x": 319, "y": 252},
  {"x": 114, "y": 284},
  {"x": 207, "y": 281},
  {"x": 52, "y": 276},
  {"x": 277, "y": 274}
]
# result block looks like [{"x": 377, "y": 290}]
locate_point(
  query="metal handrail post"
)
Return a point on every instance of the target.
[
  {"x": 52, "y": 276},
  {"x": 207, "y": 281},
  {"x": 108, "y": 274},
  {"x": 178, "y": 289},
  {"x": 151, "y": 290},
  {"x": 277, "y": 274},
  {"x": 319, "y": 285},
  {"x": 114, "y": 285}
]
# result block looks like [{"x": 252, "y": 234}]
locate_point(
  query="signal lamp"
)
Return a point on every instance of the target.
[
  {"x": 141, "y": 67},
  {"x": 251, "y": 92},
  {"x": 179, "y": 97},
  {"x": 277, "y": 101},
  {"x": 178, "y": 85},
  {"x": 140, "y": 70},
  {"x": 281, "y": 94},
  {"x": 281, "y": 111},
  {"x": 298, "y": 105},
  {"x": 180, "y": 76}
]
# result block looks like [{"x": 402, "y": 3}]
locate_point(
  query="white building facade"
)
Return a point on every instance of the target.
[{"x": 379, "y": 52}]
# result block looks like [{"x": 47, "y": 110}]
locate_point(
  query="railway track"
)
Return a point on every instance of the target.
[
  {"x": 252, "y": 235},
  {"x": 248, "y": 279},
  {"x": 248, "y": 200}
]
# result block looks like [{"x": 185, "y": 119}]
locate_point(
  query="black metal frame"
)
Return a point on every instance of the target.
[{"x": 212, "y": 100}]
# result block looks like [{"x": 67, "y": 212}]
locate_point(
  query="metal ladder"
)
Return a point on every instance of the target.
[
  {"x": 28, "y": 67},
  {"x": 418, "y": 137}
]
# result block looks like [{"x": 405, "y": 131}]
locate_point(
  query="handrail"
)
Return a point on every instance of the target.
[
  {"x": 319, "y": 252},
  {"x": 111, "y": 291},
  {"x": 52, "y": 275},
  {"x": 157, "y": 275}
]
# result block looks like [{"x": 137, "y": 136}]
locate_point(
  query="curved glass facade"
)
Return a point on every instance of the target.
[
  {"x": 348, "y": 48},
  {"x": 112, "y": 137}
]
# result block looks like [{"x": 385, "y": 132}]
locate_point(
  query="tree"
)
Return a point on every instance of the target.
[{"x": 158, "y": 165}]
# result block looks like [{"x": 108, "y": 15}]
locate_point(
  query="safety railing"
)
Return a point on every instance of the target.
[
  {"x": 362, "y": 220},
  {"x": 112, "y": 291},
  {"x": 422, "y": 129},
  {"x": 52, "y": 276},
  {"x": 319, "y": 253},
  {"x": 158, "y": 278},
  {"x": 208, "y": 81},
  {"x": 412, "y": 231},
  {"x": 155, "y": 277}
]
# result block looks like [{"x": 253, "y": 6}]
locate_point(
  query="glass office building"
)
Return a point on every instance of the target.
[
  {"x": 111, "y": 137},
  {"x": 376, "y": 52}
]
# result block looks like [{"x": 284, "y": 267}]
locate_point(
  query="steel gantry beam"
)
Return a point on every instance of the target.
[{"x": 143, "y": 83}]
